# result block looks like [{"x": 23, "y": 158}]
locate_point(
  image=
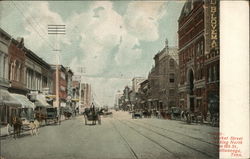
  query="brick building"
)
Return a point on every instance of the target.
[
  {"x": 38, "y": 73},
  {"x": 163, "y": 79},
  {"x": 17, "y": 67},
  {"x": 62, "y": 84},
  {"x": 198, "y": 63}
]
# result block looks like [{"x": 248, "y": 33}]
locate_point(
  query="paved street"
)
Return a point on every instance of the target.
[{"x": 118, "y": 137}]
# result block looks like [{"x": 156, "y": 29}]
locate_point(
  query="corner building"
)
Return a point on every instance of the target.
[{"x": 198, "y": 34}]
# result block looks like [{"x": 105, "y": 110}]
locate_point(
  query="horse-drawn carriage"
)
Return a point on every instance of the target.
[
  {"x": 91, "y": 114},
  {"x": 136, "y": 114},
  {"x": 67, "y": 112},
  {"x": 51, "y": 115}
]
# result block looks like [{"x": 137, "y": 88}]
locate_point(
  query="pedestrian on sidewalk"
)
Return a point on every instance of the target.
[{"x": 9, "y": 128}]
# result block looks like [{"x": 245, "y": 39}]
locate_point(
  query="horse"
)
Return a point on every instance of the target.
[
  {"x": 92, "y": 115},
  {"x": 186, "y": 115},
  {"x": 146, "y": 114},
  {"x": 17, "y": 124},
  {"x": 32, "y": 126},
  {"x": 198, "y": 117},
  {"x": 67, "y": 115}
]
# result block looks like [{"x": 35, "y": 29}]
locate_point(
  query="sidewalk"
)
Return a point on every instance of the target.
[{"x": 4, "y": 131}]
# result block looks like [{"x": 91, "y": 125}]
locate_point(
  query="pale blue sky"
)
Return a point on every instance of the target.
[{"x": 114, "y": 41}]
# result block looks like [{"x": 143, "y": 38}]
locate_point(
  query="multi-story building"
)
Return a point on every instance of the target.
[
  {"x": 163, "y": 80},
  {"x": 17, "y": 67},
  {"x": 69, "y": 80},
  {"x": 5, "y": 39},
  {"x": 125, "y": 101},
  {"x": 153, "y": 87},
  {"x": 118, "y": 96},
  {"x": 212, "y": 55},
  {"x": 136, "y": 83},
  {"x": 133, "y": 98},
  {"x": 62, "y": 84},
  {"x": 38, "y": 73},
  {"x": 75, "y": 95},
  {"x": 86, "y": 96},
  {"x": 143, "y": 95},
  {"x": 198, "y": 55},
  {"x": 168, "y": 77}
]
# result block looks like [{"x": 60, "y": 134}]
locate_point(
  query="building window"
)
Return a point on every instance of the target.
[
  {"x": 171, "y": 77},
  {"x": 62, "y": 75},
  {"x": 209, "y": 74},
  {"x": 198, "y": 49},
  {"x": 215, "y": 73},
  {"x": 202, "y": 48},
  {"x": 171, "y": 63},
  {"x": 17, "y": 71}
]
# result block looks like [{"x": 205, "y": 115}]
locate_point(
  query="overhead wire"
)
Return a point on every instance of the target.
[{"x": 33, "y": 28}]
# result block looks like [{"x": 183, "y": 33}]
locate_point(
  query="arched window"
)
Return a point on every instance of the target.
[
  {"x": 198, "y": 49},
  {"x": 171, "y": 63},
  {"x": 202, "y": 48}
]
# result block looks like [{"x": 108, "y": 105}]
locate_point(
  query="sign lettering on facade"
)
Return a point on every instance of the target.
[{"x": 214, "y": 24}]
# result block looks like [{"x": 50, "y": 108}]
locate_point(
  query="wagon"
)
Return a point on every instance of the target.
[
  {"x": 136, "y": 115},
  {"x": 51, "y": 115},
  {"x": 91, "y": 114}
]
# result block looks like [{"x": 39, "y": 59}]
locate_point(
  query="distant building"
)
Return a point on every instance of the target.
[
  {"x": 163, "y": 80},
  {"x": 143, "y": 95},
  {"x": 62, "y": 84},
  {"x": 118, "y": 95},
  {"x": 86, "y": 96},
  {"x": 75, "y": 95},
  {"x": 136, "y": 83},
  {"x": 69, "y": 79}
]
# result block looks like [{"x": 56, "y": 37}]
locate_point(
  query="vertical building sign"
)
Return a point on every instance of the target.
[{"x": 214, "y": 24}]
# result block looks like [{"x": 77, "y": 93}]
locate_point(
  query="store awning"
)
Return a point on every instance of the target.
[
  {"x": 41, "y": 101},
  {"x": 7, "y": 99},
  {"x": 23, "y": 100}
]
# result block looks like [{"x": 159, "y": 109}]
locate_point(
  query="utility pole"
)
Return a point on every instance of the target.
[
  {"x": 57, "y": 30},
  {"x": 81, "y": 70}
]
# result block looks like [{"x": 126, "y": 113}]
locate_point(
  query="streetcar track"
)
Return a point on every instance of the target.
[
  {"x": 198, "y": 139},
  {"x": 157, "y": 143},
  {"x": 185, "y": 145},
  {"x": 123, "y": 138}
]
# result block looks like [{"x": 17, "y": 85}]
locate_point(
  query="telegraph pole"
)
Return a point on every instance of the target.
[
  {"x": 57, "y": 30},
  {"x": 82, "y": 70}
]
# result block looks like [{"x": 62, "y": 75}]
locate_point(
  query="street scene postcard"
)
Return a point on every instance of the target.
[{"x": 111, "y": 80}]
